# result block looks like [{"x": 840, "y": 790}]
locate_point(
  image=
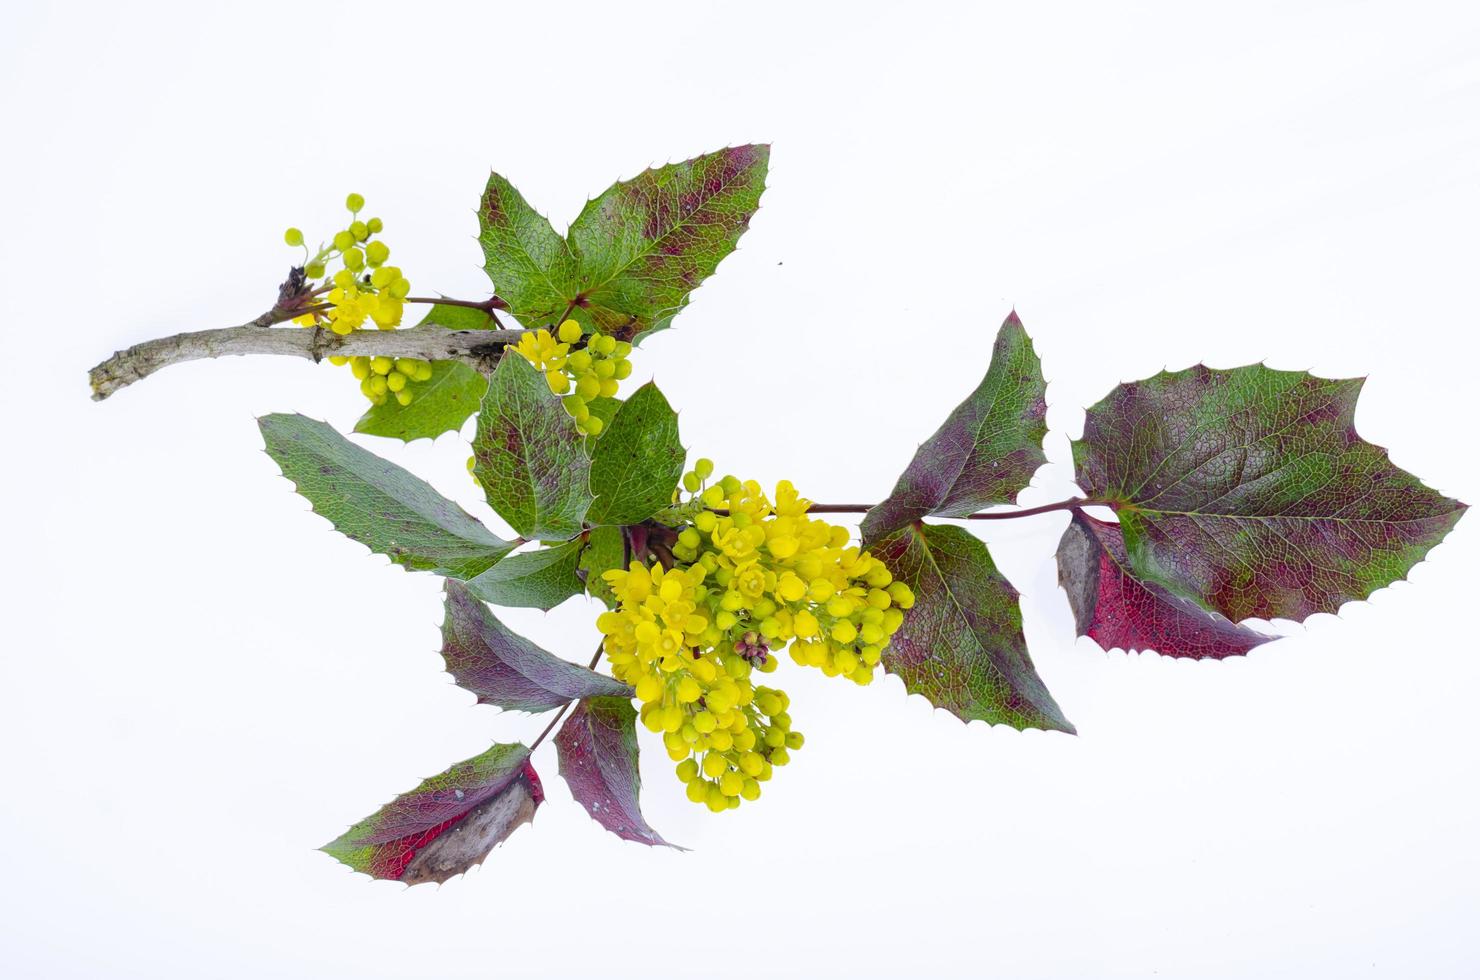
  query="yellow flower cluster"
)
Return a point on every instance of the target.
[
  {"x": 365, "y": 288},
  {"x": 582, "y": 375},
  {"x": 381, "y": 377},
  {"x": 791, "y": 579},
  {"x": 725, "y": 733},
  {"x": 747, "y": 577}
]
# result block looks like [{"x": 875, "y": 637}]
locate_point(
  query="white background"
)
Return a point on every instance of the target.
[{"x": 202, "y": 682}]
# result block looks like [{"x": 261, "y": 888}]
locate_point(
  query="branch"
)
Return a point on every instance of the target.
[
  {"x": 480, "y": 348},
  {"x": 566, "y": 706},
  {"x": 1073, "y": 503}
]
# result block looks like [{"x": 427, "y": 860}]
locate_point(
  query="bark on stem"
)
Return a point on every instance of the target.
[{"x": 479, "y": 348}]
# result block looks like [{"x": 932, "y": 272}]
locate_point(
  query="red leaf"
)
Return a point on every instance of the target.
[
  {"x": 1116, "y": 609},
  {"x": 447, "y": 824}
]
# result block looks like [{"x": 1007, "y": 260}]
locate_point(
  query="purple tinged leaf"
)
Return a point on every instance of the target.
[
  {"x": 528, "y": 456},
  {"x": 644, "y": 244},
  {"x": 597, "y": 749},
  {"x": 447, "y": 824},
  {"x": 1116, "y": 609},
  {"x": 961, "y": 645},
  {"x": 987, "y": 450},
  {"x": 506, "y": 670},
  {"x": 1250, "y": 492}
]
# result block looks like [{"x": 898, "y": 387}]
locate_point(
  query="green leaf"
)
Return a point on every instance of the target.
[
  {"x": 506, "y": 670},
  {"x": 377, "y": 503},
  {"x": 637, "y": 463},
  {"x": 987, "y": 450},
  {"x": 440, "y": 404},
  {"x": 1249, "y": 491},
  {"x": 528, "y": 455},
  {"x": 447, "y": 824},
  {"x": 443, "y": 402},
  {"x": 458, "y": 318},
  {"x": 540, "y": 579},
  {"x": 961, "y": 645},
  {"x": 532, "y": 268},
  {"x": 645, "y": 244},
  {"x": 604, "y": 551}
]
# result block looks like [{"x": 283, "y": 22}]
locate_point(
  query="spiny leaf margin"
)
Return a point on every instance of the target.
[
  {"x": 422, "y": 835},
  {"x": 377, "y": 503},
  {"x": 961, "y": 644},
  {"x": 644, "y": 244},
  {"x": 1249, "y": 491},
  {"x": 636, "y": 464},
  {"x": 505, "y": 669},
  {"x": 987, "y": 449}
]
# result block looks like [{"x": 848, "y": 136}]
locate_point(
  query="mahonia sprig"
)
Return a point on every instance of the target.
[
  {"x": 715, "y": 579},
  {"x": 364, "y": 288},
  {"x": 747, "y": 577}
]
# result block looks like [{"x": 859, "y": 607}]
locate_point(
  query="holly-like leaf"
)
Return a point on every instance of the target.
[
  {"x": 603, "y": 552},
  {"x": 597, "y": 748},
  {"x": 637, "y": 463},
  {"x": 528, "y": 455},
  {"x": 541, "y": 579},
  {"x": 506, "y": 670},
  {"x": 377, "y": 503},
  {"x": 447, "y": 824},
  {"x": 440, "y": 404},
  {"x": 443, "y": 402},
  {"x": 1116, "y": 609},
  {"x": 532, "y": 268},
  {"x": 988, "y": 448},
  {"x": 961, "y": 645},
  {"x": 644, "y": 244},
  {"x": 1250, "y": 492}
]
